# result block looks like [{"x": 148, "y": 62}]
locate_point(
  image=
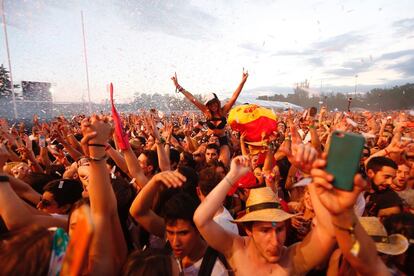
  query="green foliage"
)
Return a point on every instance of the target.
[
  {"x": 174, "y": 102},
  {"x": 396, "y": 98},
  {"x": 5, "y": 84}
]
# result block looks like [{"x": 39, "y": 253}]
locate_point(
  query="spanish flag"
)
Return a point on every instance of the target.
[{"x": 256, "y": 121}]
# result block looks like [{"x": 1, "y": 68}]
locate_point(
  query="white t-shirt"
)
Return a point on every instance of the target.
[
  {"x": 359, "y": 206},
  {"x": 407, "y": 196},
  {"x": 218, "y": 270},
  {"x": 224, "y": 219},
  {"x": 305, "y": 138}
]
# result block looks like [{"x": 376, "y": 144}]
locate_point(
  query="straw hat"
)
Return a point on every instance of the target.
[
  {"x": 263, "y": 205},
  {"x": 394, "y": 244}
]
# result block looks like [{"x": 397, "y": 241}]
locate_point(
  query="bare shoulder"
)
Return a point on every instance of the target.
[
  {"x": 240, "y": 243},
  {"x": 295, "y": 260},
  {"x": 238, "y": 249}
]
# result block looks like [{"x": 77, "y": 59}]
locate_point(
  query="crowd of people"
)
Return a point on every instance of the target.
[{"x": 184, "y": 194}]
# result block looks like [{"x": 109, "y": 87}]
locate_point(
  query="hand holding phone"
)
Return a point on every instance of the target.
[
  {"x": 42, "y": 141},
  {"x": 344, "y": 154}
]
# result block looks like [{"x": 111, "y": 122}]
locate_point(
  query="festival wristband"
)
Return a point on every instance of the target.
[{"x": 97, "y": 145}]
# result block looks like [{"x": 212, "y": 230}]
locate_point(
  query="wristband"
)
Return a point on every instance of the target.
[
  {"x": 103, "y": 158},
  {"x": 4, "y": 178},
  {"x": 356, "y": 246},
  {"x": 97, "y": 145},
  {"x": 350, "y": 230},
  {"x": 228, "y": 181}
]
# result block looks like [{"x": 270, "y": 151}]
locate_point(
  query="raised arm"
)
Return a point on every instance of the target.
[
  {"x": 163, "y": 158},
  {"x": 188, "y": 95},
  {"x": 243, "y": 147},
  {"x": 236, "y": 93},
  {"x": 117, "y": 158},
  {"x": 24, "y": 190},
  {"x": 356, "y": 246},
  {"x": 73, "y": 152},
  {"x": 133, "y": 167},
  {"x": 141, "y": 207},
  {"x": 321, "y": 237},
  {"x": 213, "y": 233},
  {"x": 108, "y": 249},
  {"x": 17, "y": 214}
]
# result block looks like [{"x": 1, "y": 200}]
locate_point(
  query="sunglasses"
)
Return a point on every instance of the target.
[{"x": 45, "y": 203}]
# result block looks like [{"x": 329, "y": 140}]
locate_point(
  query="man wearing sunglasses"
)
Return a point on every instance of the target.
[{"x": 59, "y": 195}]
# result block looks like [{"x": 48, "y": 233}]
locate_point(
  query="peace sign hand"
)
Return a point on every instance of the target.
[
  {"x": 245, "y": 75},
  {"x": 175, "y": 80}
]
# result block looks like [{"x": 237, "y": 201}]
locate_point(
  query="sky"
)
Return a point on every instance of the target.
[{"x": 139, "y": 44}]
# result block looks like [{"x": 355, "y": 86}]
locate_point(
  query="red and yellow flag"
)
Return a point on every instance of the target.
[{"x": 256, "y": 121}]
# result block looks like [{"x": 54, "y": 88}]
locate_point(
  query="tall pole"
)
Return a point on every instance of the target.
[
  {"x": 8, "y": 58},
  {"x": 356, "y": 77},
  {"x": 86, "y": 65}
]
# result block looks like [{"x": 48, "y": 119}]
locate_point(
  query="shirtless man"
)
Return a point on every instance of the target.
[{"x": 262, "y": 251}]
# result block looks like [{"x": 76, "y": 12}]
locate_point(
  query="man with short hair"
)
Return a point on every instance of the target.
[
  {"x": 212, "y": 153},
  {"x": 400, "y": 185},
  {"x": 187, "y": 245},
  {"x": 137, "y": 144},
  {"x": 175, "y": 223},
  {"x": 59, "y": 196},
  {"x": 382, "y": 201},
  {"x": 381, "y": 172},
  {"x": 148, "y": 161},
  {"x": 263, "y": 252}
]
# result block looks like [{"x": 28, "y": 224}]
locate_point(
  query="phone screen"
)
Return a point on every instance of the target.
[{"x": 42, "y": 141}]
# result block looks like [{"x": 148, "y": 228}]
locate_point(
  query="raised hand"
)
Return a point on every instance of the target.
[
  {"x": 336, "y": 201},
  {"x": 170, "y": 179},
  {"x": 300, "y": 155},
  {"x": 245, "y": 75},
  {"x": 239, "y": 166},
  {"x": 242, "y": 136},
  {"x": 151, "y": 127},
  {"x": 95, "y": 130},
  {"x": 188, "y": 129},
  {"x": 175, "y": 80}
]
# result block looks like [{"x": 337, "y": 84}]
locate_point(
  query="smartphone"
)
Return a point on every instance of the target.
[
  {"x": 344, "y": 154},
  {"x": 42, "y": 141}
]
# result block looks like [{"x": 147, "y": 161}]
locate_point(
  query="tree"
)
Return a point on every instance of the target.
[{"x": 5, "y": 83}]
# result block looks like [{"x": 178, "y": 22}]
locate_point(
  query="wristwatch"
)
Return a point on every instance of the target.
[{"x": 4, "y": 178}]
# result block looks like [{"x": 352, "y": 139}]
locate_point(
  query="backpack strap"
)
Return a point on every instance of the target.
[{"x": 209, "y": 260}]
